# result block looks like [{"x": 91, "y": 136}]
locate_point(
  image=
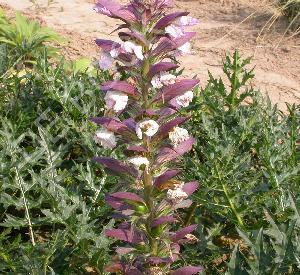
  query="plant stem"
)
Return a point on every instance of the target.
[
  {"x": 19, "y": 180},
  {"x": 148, "y": 188},
  {"x": 293, "y": 136},
  {"x": 234, "y": 82},
  {"x": 147, "y": 177},
  {"x": 275, "y": 179},
  {"x": 232, "y": 206},
  {"x": 190, "y": 214},
  {"x": 154, "y": 246},
  {"x": 230, "y": 201}
]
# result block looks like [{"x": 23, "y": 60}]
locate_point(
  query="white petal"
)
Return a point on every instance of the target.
[
  {"x": 162, "y": 79},
  {"x": 115, "y": 52},
  {"x": 139, "y": 133},
  {"x": 138, "y": 50},
  {"x": 130, "y": 47},
  {"x": 116, "y": 100},
  {"x": 174, "y": 31},
  {"x": 156, "y": 83},
  {"x": 167, "y": 79},
  {"x": 187, "y": 21},
  {"x": 139, "y": 161},
  {"x": 178, "y": 135},
  {"x": 185, "y": 48},
  {"x": 176, "y": 195},
  {"x": 105, "y": 138},
  {"x": 105, "y": 61},
  {"x": 185, "y": 99},
  {"x": 148, "y": 127}
]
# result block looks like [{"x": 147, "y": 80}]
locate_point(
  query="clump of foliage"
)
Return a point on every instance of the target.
[
  {"x": 51, "y": 194},
  {"x": 25, "y": 39},
  {"x": 274, "y": 250},
  {"x": 143, "y": 110},
  {"x": 246, "y": 158}
]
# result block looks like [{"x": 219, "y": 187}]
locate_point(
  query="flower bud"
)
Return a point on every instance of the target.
[{"x": 141, "y": 209}]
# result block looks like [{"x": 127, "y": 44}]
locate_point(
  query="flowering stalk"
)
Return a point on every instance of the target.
[{"x": 151, "y": 97}]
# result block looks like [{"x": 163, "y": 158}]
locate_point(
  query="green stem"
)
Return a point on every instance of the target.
[
  {"x": 293, "y": 137},
  {"x": 27, "y": 215},
  {"x": 230, "y": 201},
  {"x": 275, "y": 180},
  {"x": 148, "y": 189},
  {"x": 154, "y": 246},
  {"x": 190, "y": 214},
  {"x": 148, "y": 177},
  {"x": 234, "y": 82},
  {"x": 145, "y": 84},
  {"x": 232, "y": 206}
]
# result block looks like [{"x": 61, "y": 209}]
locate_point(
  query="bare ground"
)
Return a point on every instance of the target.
[{"x": 225, "y": 25}]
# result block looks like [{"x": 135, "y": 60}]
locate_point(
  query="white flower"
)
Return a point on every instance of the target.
[
  {"x": 105, "y": 61},
  {"x": 185, "y": 48},
  {"x": 177, "y": 32},
  {"x": 105, "y": 138},
  {"x": 174, "y": 31},
  {"x": 162, "y": 79},
  {"x": 178, "y": 135},
  {"x": 148, "y": 127},
  {"x": 187, "y": 21},
  {"x": 139, "y": 161},
  {"x": 176, "y": 195},
  {"x": 185, "y": 99},
  {"x": 156, "y": 83},
  {"x": 116, "y": 100},
  {"x": 167, "y": 78},
  {"x": 130, "y": 47},
  {"x": 115, "y": 52}
]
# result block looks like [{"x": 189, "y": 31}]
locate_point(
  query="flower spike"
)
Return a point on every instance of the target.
[{"x": 142, "y": 114}]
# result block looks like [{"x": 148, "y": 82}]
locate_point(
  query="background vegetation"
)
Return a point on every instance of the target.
[
  {"x": 52, "y": 213},
  {"x": 291, "y": 8}
]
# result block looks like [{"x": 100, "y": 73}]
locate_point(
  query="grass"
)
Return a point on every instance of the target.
[
  {"x": 287, "y": 8},
  {"x": 291, "y": 8}
]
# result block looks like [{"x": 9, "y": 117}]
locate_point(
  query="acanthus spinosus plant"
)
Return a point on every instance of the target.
[{"x": 151, "y": 97}]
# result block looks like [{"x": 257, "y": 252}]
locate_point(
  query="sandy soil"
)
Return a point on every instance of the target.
[{"x": 225, "y": 25}]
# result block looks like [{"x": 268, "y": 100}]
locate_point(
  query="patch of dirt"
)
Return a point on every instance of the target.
[{"x": 225, "y": 25}]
